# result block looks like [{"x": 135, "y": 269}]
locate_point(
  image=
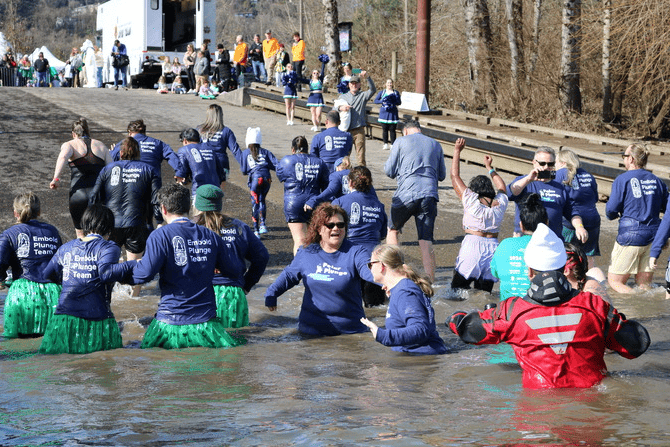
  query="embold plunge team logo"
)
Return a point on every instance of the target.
[
  {"x": 196, "y": 155},
  {"x": 116, "y": 175},
  {"x": 23, "y": 242},
  {"x": 355, "y": 214},
  {"x": 180, "y": 257}
]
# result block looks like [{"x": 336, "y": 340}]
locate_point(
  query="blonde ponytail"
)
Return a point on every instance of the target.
[
  {"x": 392, "y": 257},
  {"x": 27, "y": 206},
  {"x": 571, "y": 164}
]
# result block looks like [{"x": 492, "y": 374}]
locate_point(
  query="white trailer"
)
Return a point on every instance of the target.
[{"x": 153, "y": 28}]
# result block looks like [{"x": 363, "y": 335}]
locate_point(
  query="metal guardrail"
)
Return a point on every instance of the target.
[
  {"x": 510, "y": 158},
  {"x": 8, "y": 76}
]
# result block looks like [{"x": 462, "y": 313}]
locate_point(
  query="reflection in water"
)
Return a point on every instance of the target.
[{"x": 284, "y": 389}]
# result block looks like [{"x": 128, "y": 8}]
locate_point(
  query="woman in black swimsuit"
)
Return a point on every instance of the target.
[{"x": 86, "y": 158}]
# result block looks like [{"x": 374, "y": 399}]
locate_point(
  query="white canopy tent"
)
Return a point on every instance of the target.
[{"x": 53, "y": 60}]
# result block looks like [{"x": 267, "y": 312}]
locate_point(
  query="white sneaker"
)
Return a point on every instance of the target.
[
  {"x": 290, "y": 123},
  {"x": 386, "y": 147},
  {"x": 315, "y": 128}
]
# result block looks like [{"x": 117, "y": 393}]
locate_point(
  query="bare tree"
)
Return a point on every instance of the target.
[
  {"x": 514, "y": 16},
  {"x": 608, "y": 115},
  {"x": 332, "y": 36},
  {"x": 480, "y": 42},
  {"x": 535, "y": 40},
  {"x": 571, "y": 97}
]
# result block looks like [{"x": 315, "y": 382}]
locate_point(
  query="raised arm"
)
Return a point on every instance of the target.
[
  {"x": 456, "y": 181},
  {"x": 498, "y": 182}
]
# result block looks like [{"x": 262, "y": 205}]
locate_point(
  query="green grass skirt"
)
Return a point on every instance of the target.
[
  {"x": 210, "y": 334},
  {"x": 73, "y": 335},
  {"x": 29, "y": 307},
  {"x": 231, "y": 306}
]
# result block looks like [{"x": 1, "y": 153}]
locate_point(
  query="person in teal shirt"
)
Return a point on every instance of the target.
[{"x": 507, "y": 264}]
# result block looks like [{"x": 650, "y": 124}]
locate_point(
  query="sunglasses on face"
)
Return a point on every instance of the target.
[
  {"x": 551, "y": 164},
  {"x": 331, "y": 225},
  {"x": 624, "y": 156},
  {"x": 370, "y": 264}
]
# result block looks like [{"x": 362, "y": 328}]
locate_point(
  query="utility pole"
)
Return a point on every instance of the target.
[{"x": 422, "y": 46}]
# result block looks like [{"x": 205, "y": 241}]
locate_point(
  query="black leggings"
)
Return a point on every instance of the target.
[
  {"x": 78, "y": 204},
  {"x": 388, "y": 130},
  {"x": 191, "y": 77}
]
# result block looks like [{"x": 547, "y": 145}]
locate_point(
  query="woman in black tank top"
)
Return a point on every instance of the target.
[{"x": 83, "y": 174}]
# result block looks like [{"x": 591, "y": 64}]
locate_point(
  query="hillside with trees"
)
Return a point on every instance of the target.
[{"x": 587, "y": 65}]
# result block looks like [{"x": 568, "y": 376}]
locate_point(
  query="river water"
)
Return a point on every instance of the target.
[
  {"x": 282, "y": 389},
  {"x": 279, "y": 388}
]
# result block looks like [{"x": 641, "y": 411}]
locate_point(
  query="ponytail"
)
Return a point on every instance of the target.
[
  {"x": 421, "y": 281},
  {"x": 571, "y": 164},
  {"x": 393, "y": 258},
  {"x": 27, "y": 206}
]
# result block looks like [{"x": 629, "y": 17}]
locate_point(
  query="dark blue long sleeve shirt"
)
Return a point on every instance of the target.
[
  {"x": 332, "y": 303},
  {"x": 219, "y": 142},
  {"x": 198, "y": 163},
  {"x": 126, "y": 187},
  {"x": 243, "y": 245},
  {"x": 261, "y": 167},
  {"x": 367, "y": 218},
  {"x": 87, "y": 269},
  {"x": 152, "y": 152},
  {"x": 27, "y": 248},
  {"x": 410, "y": 322},
  {"x": 186, "y": 256}
]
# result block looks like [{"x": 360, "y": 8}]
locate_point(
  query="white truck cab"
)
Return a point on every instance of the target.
[{"x": 153, "y": 28}]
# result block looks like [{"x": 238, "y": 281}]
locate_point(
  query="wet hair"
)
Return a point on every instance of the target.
[
  {"x": 299, "y": 144},
  {"x": 97, "y": 219},
  {"x": 320, "y": 216},
  {"x": 571, "y": 164},
  {"x": 137, "y": 126},
  {"x": 190, "y": 134},
  {"x": 577, "y": 263},
  {"x": 532, "y": 212},
  {"x": 639, "y": 155},
  {"x": 334, "y": 117},
  {"x": 360, "y": 178},
  {"x": 214, "y": 220},
  {"x": 80, "y": 128},
  {"x": 175, "y": 198},
  {"x": 254, "y": 148},
  {"x": 213, "y": 121},
  {"x": 130, "y": 149},
  {"x": 411, "y": 124},
  {"x": 27, "y": 205},
  {"x": 392, "y": 257},
  {"x": 483, "y": 187}
]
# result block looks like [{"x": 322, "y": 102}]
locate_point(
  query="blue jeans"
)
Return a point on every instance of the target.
[
  {"x": 43, "y": 79},
  {"x": 259, "y": 70},
  {"x": 122, "y": 72},
  {"x": 99, "y": 75}
]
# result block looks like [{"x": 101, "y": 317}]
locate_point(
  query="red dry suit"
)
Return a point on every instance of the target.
[{"x": 559, "y": 344}]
